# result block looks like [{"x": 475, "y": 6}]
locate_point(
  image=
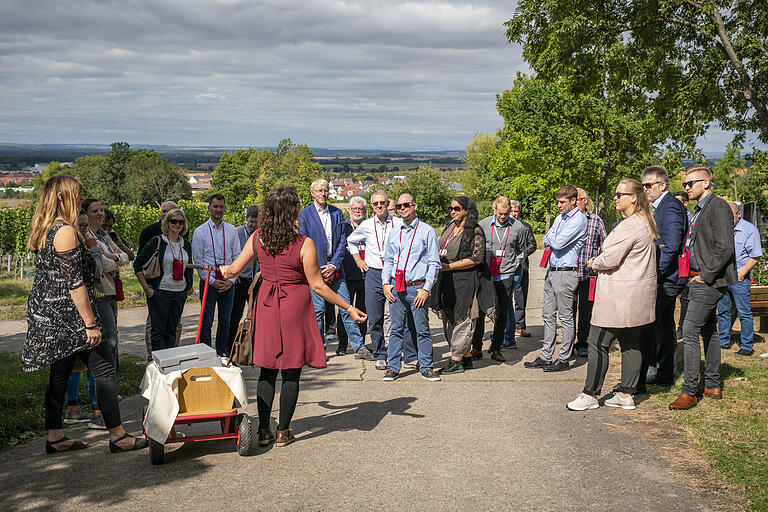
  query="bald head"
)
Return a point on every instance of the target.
[
  {"x": 736, "y": 212},
  {"x": 166, "y": 207}
]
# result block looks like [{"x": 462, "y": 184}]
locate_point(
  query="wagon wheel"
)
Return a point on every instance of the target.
[{"x": 244, "y": 435}]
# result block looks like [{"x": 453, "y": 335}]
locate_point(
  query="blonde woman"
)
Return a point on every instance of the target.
[
  {"x": 61, "y": 317},
  {"x": 167, "y": 293},
  {"x": 625, "y": 298}
]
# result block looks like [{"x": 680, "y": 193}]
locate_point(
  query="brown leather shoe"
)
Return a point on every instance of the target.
[
  {"x": 476, "y": 354},
  {"x": 266, "y": 436},
  {"x": 716, "y": 393},
  {"x": 284, "y": 437},
  {"x": 683, "y": 402},
  {"x": 498, "y": 356},
  {"x": 522, "y": 333}
]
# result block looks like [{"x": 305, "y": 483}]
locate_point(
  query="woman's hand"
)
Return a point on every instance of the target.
[
  {"x": 149, "y": 292},
  {"x": 93, "y": 337},
  {"x": 224, "y": 269},
  {"x": 357, "y": 315}
]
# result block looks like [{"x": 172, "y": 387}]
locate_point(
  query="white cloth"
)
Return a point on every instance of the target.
[
  {"x": 325, "y": 220},
  {"x": 203, "y": 240},
  {"x": 161, "y": 390},
  {"x": 173, "y": 250},
  {"x": 366, "y": 233}
]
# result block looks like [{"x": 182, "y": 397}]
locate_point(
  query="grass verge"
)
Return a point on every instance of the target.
[
  {"x": 731, "y": 433},
  {"x": 22, "y": 394}
]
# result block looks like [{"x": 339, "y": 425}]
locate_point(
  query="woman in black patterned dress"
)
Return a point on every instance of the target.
[{"x": 61, "y": 318}]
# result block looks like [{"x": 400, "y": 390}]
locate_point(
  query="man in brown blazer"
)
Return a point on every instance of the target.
[{"x": 709, "y": 243}]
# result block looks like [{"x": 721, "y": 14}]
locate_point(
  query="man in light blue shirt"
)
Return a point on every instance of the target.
[
  {"x": 746, "y": 240},
  {"x": 411, "y": 264},
  {"x": 565, "y": 239}
]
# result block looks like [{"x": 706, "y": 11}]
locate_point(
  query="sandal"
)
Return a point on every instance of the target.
[
  {"x": 77, "y": 445},
  {"x": 138, "y": 444}
]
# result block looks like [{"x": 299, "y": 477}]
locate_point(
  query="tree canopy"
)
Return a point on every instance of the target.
[
  {"x": 252, "y": 173},
  {"x": 691, "y": 61}
]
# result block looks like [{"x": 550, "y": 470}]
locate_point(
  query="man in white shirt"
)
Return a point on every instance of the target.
[{"x": 215, "y": 243}]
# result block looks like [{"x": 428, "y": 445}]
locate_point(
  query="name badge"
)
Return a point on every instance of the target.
[{"x": 499, "y": 253}]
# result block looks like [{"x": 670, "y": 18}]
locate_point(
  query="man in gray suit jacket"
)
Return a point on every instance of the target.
[{"x": 709, "y": 243}]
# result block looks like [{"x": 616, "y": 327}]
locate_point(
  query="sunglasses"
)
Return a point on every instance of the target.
[
  {"x": 618, "y": 195},
  {"x": 690, "y": 184},
  {"x": 176, "y": 221},
  {"x": 649, "y": 186},
  {"x": 379, "y": 203},
  {"x": 403, "y": 206},
  {"x": 455, "y": 208}
]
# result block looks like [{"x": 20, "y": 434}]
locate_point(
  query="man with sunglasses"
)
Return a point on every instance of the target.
[
  {"x": 564, "y": 240},
  {"x": 659, "y": 346},
  {"x": 411, "y": 264},
  {"x": 709, "y": 253}
]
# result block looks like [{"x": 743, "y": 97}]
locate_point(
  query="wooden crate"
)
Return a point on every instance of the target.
[
  {"x": 202, "y": 390},
  {"x": 758, "y": 299}
]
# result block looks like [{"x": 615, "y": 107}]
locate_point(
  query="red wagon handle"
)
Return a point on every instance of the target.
[{"x": 208, "y": 269}]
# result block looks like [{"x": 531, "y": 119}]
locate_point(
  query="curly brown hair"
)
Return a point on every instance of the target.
[{"x": 277, "y": 219}]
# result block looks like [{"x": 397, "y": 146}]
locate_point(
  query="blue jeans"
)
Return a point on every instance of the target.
[
  {"x": 738, "y": 295},
  {"x": 73, "y": 390},
  {"x": 318, "y": 303},
  {"x": 224, "y": 303},
  {"x": 398, "y": 312},
  {"x": 509, "y": 331},
  {"x": 375, "y": 302}
]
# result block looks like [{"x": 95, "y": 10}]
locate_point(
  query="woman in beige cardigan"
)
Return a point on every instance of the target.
[{"x": 625, "y": 298}]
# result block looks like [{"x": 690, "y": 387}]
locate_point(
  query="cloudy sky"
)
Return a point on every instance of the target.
[{"x": 329, "y": 73}]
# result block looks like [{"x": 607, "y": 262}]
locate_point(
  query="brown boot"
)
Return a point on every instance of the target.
[
  {"x": 683, "y": 402},
  {"x": 716, "y": 393},
  {"x": 476, "y": 354},
  {"x": 284, "y": 437},
  {"x": 265, "y": 436}
]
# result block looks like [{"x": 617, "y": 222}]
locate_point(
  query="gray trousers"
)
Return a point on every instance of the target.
[
  {"x": 559, "y": 289},
  {"x": 459, "y": 335},
  {"x": 701, "y": 320},
  {"x": 599, "y": 342}
]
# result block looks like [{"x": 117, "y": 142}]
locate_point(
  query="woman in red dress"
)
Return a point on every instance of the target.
[{"x": 285, "y": 333}]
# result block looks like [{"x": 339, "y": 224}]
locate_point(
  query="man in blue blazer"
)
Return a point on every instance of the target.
[
  {"x": 324, "y": 224},
  {"x": 672, "y": 224}
]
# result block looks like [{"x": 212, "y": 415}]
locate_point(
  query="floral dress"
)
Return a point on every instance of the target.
[{"x": 55, "y": 329}]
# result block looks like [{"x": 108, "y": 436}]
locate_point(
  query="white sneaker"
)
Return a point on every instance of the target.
[
  {"x": 764, "y": 355},
  {"x": 617, "y": 400},
  {"x": 583, "y": 402},
  {"x": 381, "y": 364}
]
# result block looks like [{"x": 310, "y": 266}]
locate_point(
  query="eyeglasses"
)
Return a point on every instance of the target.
[
  {"x": 455, "y": 208},
  {"x": 379, "y": 203},
  {"x": 690, "y": 184},
  {"x": 618, "y": 195},
  {"x": 176, "y": 221},
  {"x": 649, "y": 186},
  {"x": 403, "y": 206},
  {"x": 357, "y": 208}
]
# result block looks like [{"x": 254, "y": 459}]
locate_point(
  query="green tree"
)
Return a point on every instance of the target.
[
  {"x": 151, "y": 179},
  {"x": 691, "y": 61},
  {"x": 252, "y": 173},
  {"x": 752, "y": 186},
  {"x": 726, "y": 171},
  {"x": 432, "y": 195}
]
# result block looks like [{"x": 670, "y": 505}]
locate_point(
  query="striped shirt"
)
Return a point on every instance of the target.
[{"x": 591, "y": 248}]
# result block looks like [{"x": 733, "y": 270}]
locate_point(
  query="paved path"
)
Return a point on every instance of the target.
[{"x": 495, "y": 438}]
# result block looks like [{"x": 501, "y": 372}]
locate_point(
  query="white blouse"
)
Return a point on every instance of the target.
[{"x": 173, "y": 250}]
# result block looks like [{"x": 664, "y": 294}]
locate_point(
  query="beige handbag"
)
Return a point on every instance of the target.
[
  {"x": 153, "y": 267},
  {"x": 242, "y": 346}
]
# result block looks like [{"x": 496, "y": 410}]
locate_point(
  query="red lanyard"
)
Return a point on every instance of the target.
[
  {"x": 690, "y": 230},
  {"x": 503, "y": 247},
  {"x": 181, "y": 251},
  {"x": 450, "y": 237},
  {"x": 566, "y": 220},
  {"x": 224, "y": 245},
  {"x": 375, "y": 231},
  {"x": 409, "y": 247}
]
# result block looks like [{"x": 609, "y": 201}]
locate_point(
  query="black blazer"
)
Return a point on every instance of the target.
[
  {"x": 672, "y": 224},
  {"x": 713, "y": 243}
]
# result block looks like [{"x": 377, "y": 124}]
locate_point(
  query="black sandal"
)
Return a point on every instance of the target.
[
  {"x": 138, "y": 444},
  {"x": 77, "y": 445}
]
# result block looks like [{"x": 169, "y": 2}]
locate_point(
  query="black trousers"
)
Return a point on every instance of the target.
[
  {"x": 521, "y": 300},
  {"x": 100, "y": 362},
  {"x": 584, "y": 320},
  {"x": 330, "y": 318},
  {"x": 600, "y": 340},
  {"x": 238, "y": 306},
  {"x": 504, "y": 290},
  {"x": 165, "y": 308},
  {"x": 289, "y": 395},
  {"x": 659, "y": 339},
  {"x": 356, "y": 298}
]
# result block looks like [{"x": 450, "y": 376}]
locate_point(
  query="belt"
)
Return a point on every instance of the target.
[
  {"x": 415, "y": 283},
  {"x": 694, "y": 273},
  {"x": 559, "y": 269}
]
